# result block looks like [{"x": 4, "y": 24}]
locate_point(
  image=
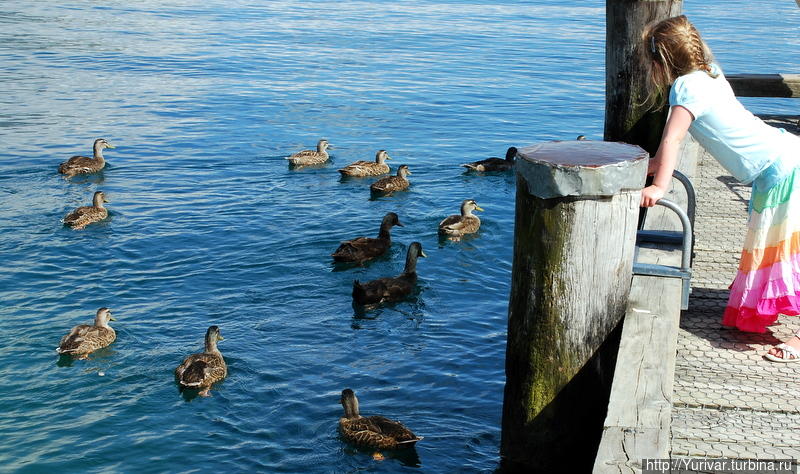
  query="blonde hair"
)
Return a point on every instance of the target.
[{"x": 670, "y": 49}]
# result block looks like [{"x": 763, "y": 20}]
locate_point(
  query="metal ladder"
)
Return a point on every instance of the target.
[{"x": 679, "y": 239}]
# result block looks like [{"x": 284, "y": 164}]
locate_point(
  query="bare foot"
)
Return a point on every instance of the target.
[
  {"x": 794, "y": 343},
  {"x": 205, "y": 393}
]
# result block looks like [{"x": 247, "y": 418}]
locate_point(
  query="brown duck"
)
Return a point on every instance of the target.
[
  {"x": 389, "y": 289},
  {"x": 83, "y": 164},
  {"x": 392, "y": 183},
  {"x": 85, "y": 215},
  {"x": 199, "y": 371},
  {"x": 361, "y": 249},
  {"x": 372, "y": 431},
  {"x": 368, "y": 168},
  {"x": 494, "y": 164},
  {"x": 311, "y": 157},
  {"x": 466, "y": 223},
  {"x": 85, "y": 339}
]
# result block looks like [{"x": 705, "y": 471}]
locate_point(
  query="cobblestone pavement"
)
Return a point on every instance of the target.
[{"x": 728, "y": 400}]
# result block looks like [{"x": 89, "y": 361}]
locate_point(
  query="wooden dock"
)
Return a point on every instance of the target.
[{"x": 684, "y": 385}]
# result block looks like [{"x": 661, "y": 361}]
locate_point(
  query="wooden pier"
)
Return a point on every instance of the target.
[{"x": 685, "y": 386}]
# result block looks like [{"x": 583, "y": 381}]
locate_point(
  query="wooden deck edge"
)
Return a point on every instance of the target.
[
  {"x": 640, "y": 406},
  {"x": 638, "y": 419}
]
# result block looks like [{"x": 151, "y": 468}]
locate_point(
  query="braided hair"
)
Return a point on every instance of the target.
[{"x": 672, "y": 48}]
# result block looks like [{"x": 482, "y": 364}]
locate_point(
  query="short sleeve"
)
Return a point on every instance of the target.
[{"x": 688, "y": 91}]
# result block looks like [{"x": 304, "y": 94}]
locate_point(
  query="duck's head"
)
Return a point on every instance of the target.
[
  {"x": 102, "y": 317},
  {"x": 403, "y": 171},
  {"x": 323, "y": 145},
  {"x": 99, "y": 198},
  {"x": 101, "y": 143},
  {"x": 511, "y": 153},
  {"x": 382, "y": 156},
  {"x": 415, "y": 250},
  {"x": 349, "y": 403},
  {"x": 468, "y": 206},
  {"x": 213, "y": 334},
  {"x": 391, "y": 219},
  {"x": 581, "y": 137}
]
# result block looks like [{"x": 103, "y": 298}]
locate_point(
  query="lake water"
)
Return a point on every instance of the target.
[{"x": 209, "y": 226}]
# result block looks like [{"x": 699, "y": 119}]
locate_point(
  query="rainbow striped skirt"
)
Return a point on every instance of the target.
[{"x": 768, "y": 281}]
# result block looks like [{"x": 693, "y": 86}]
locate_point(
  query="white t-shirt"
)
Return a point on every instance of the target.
[{"x": 740, "y": 141}]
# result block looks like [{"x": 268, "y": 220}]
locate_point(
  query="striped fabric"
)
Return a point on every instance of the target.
[{"x": 768, "y": 281}]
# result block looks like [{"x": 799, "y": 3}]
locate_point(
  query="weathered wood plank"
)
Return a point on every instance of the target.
[
  {"x": 637, "y": 442},
  {"x": 765, "y": 85}
]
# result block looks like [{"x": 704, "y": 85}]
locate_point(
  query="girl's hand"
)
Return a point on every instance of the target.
[{"x": 651, "y": 195}]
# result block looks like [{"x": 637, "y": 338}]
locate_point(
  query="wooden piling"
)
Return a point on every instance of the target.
[
  {"x": 576, "y": 214},
  {"x": 627, "y": 118}
]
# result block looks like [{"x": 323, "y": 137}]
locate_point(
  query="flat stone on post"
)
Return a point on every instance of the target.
[
  {"x": 577, "y": 208},
  {"x": 581, "y": 168}
]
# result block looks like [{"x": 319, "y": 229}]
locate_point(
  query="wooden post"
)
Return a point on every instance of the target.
[
  {"x": 627, "y": 119},
  {"x": 576, "y": 212}
]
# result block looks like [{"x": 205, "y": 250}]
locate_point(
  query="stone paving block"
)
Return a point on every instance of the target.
[{"x": 728, "y": 400}]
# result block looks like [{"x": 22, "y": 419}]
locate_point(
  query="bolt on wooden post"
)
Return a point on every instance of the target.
[{"x": 577, "y": 206}]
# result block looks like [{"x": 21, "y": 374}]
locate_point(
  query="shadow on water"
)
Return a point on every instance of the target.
[
  {"x": 65, "y": 360},
  {"x": 91, "y": 178},
  {"x": 445, "y": 239}
]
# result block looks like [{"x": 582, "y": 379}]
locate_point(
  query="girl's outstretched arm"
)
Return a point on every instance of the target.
[{"x": 663, "y": 164}]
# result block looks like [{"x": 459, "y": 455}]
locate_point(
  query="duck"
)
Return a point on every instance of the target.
[
  {"x": 390, "y": 289},
  {"x": 199, "y": 371},
  {"x": 84, "y": 339},
  {"x": 311, "y": 157},
  {"x": 83, "y": 164},
  {"x": 372, "y": 431},
  {"x": 368, "y": 168},
  {"x": 361, "y": 249},
  {"x": 392, "y": 183},
  {"x": 85, "y": 215},
  {"x": 460, "y": 225},
  {"x": 494, "y": 164}
]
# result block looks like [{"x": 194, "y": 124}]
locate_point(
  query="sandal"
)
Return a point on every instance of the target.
[{"x": 788, "y": 354}]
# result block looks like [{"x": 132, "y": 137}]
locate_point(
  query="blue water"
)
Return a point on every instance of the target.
[{"x": 209, "y": 226}]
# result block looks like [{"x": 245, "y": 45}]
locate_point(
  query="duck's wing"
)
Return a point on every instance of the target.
[
  {"x": 450, "y": 220},
  {"x": 72, "y": 341},
  {"x": 77, "y": 164},
  {"x": 360, "y": 249},
  {"x": 83, "y": 216},
  {"x": 84, "y": 339},
  {"x": 199, "y": 370},
  {"x": 392, "y": 428}
]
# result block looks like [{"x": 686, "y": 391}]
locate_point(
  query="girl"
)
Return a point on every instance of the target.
[{"x": 701, "y": 101}]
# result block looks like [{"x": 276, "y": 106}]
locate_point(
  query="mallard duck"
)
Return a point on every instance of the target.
[
  {"x": 368, "y": 168},
  {"x": 85, "y": 215},
  {"x": 85, "y": 339},
  {"x": 392, "y": 183},
  {"x": 494, "y": 164},
  {"x": 199, "y": 371},
  {"x": 466, "y": 223},
  {"x": 362, "y": 249},
  {"x": 311, "y": 157},
  {"x": 581, "y": 137},
  {"x": 83, "y": 164},
  {"x": 372, "y": 431},
  {"x": 390, "y": 288}
]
